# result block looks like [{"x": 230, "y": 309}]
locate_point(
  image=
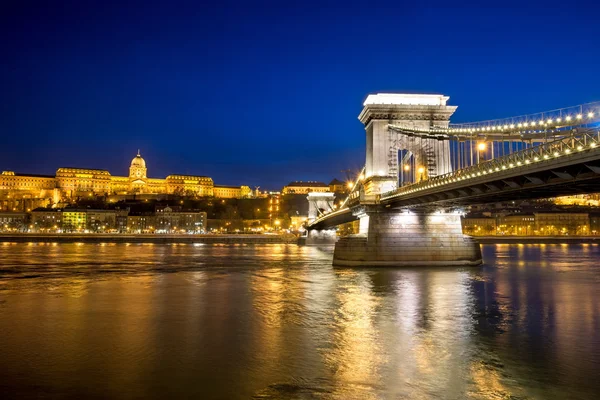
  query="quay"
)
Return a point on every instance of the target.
[
  {"x": 536, "y": 239},
  {"x": 147, "y": 238}
]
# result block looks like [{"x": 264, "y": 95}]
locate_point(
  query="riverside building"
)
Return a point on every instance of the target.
[{"x": 25, "y": 192}]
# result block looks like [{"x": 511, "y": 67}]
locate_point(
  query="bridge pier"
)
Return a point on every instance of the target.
[
  {"x": 390, "y": 238},
  {"x": 319, "y": 237}
]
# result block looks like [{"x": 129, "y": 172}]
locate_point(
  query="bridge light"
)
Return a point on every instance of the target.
[
  {"x": 407, "y": 167},
  {"x": 568, "y": 118},
  {"x": 512, "y": 126},
  {"x": 504, "y": 167},
  {"x": 549, "y": 120},
  {"x": 421, "y": 170},
  {"x": 593, "y": 145},
  {"x": 511, "y": 165},
  {"x": 545, "y": 156},
  {"x": 556, "y": 154},
  {"x": 558, "y": 120},
  {"x": 361, "y": 177},
  {"x": 536, "y": 158},
  {"x": 567, "y": 151},
  {"x": 527, "y": 161},
  {"x": 579, "y": 116},
  {"x": 590, "y": 115},
  {"x": 481, "y": 146},
  {"x": 519, "y": 163}
]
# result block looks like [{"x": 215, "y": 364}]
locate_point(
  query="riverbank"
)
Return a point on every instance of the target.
[
  {"x": 249, "y": 239},
  {"x": 536, "y": 239},
  {"x": 141, "y": 238}
]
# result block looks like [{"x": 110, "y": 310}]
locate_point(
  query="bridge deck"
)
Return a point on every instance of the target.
[{"x": 567, "y": 166}]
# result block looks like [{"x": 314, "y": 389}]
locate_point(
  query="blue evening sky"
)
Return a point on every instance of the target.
[{"x": 263, "y": 93}]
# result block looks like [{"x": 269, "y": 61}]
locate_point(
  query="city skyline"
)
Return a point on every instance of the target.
[{"x": 234, "y": 92}]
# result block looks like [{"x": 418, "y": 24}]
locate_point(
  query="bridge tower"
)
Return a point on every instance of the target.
[
  {"x": 410, "y": 111},
  {"x": 318, "y": 203},
  {"x": 417, "y": 236}
]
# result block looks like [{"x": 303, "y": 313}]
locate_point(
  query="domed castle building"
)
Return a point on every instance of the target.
[{"x": 69, "y": 183}]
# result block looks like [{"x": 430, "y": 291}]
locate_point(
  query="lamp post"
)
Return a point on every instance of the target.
[
  {"x": 406, "y": 168},
  {"x": 421, "y": 170},
  {"x": 481, "y": 146}
]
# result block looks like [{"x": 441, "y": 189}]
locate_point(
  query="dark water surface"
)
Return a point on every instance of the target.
[{"x": 279, "y": 322}]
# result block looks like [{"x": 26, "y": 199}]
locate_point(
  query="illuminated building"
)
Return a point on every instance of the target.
[
  {"x": 12, "y": 221},
  {"x": 231, "y": 192},
  {"x": 518, "y": 224},
  {"x": 74, "y": 220},
  {"x": 562, "y": 223},
  {"x": 579, "y": 200},
  {"x": 594, "y": 224},
  {"x": 24, "y": 192},
  {"x": 479, "y": 225},
  {"x": 170, "y": 219},
  {"x": 337, "y": 186},
  {"x": 537, "y": 223},
  {"x": 141, "y": 223},
  {"x": 300, "y": 187},
  {"x": 188, "y": 184},
  {"x": 46, "y": 220}
]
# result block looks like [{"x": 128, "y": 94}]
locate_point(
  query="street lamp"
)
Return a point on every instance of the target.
[
  {"x": 481, "y": 146},
  {"x": 421, "y": 170},
  {"x": 406, "y": 168}
]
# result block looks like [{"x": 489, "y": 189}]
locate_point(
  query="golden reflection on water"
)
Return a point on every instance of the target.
[
  {"x": 279, "y": 322},
  {"x": 488, "y": 383},
  {"x": 356, "y": 356}
]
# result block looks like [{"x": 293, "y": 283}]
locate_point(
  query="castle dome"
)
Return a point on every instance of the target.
[{"x": 138, "y": 161}]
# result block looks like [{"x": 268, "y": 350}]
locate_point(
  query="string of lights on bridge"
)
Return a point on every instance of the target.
[
  {"x": 555, "y": 120},
  {"x": 532, "y": 123},
  {"x": 558, "y": 122}
]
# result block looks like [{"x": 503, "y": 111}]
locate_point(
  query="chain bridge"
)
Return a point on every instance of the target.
[{"x": 421, "y": 171}]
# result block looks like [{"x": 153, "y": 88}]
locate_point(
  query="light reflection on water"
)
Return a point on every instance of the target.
[{"x": 279, "y": 322}]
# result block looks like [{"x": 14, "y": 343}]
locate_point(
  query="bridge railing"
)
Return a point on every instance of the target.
[
  {"x": 579, "y": 140},
  {"x": 553, "y": 119}
]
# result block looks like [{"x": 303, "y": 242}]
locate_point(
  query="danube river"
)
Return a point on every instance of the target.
[{"x": 279, "y": 322}]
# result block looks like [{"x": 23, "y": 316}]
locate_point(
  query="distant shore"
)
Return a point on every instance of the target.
[
  {"x": 247, "y": 239},
  {"x": 146, "y": 238},
  {"x": 536, "y": 239}
]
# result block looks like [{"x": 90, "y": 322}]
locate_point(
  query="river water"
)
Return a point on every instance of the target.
[{"x": 279, "y": 322}]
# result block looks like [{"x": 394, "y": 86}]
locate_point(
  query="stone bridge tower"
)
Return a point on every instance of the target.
[
  {"x": 319, "y": 202},
  {"x": 394, "y": 236},
  {"x": 410, "y": 111}
]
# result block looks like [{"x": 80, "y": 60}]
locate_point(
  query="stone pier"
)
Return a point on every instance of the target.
[
  {"x": 390, "y": 238},
  {"x": 319, "y": 237}
]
